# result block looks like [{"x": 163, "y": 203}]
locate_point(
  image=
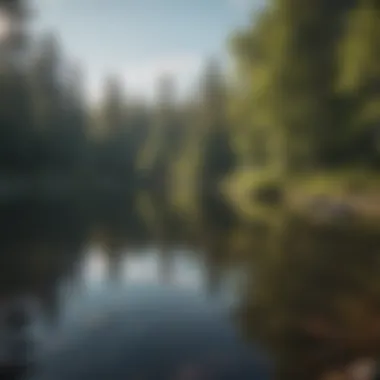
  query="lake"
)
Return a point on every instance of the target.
[{"x": 116, "y": 295}]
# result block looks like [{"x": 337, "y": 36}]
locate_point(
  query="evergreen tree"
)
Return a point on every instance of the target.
[
  {"x": 16, "y": 139},
  {"x": 289, "y": 62}
]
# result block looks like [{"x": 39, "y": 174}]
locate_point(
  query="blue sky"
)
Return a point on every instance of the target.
[{"x": 141, "y": 39}]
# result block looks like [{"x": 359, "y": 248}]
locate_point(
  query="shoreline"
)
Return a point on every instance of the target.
[{"x": 322, "y": 197}]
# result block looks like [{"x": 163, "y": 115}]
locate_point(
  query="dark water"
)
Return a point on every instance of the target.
[{"x": 117, "y": 295}]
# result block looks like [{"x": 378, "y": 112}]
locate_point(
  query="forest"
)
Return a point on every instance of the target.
[{"x": 303, "y": 100}]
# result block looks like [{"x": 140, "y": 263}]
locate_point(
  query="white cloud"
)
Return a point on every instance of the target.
[{"x": 142, "y": 77}]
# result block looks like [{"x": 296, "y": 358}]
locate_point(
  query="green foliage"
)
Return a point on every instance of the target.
[
  {"x": 305, "y": 98},
  {"x": 309, "y": 79}
]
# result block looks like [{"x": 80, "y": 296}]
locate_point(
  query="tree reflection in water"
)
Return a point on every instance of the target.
[
  {"x": 316, "y": 302},
  {"x": 307, "y": 294}
]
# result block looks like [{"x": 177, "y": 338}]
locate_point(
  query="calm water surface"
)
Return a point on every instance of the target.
[
  {"x": 137, "y": 315},
  {"x": 115, "y": 296}
]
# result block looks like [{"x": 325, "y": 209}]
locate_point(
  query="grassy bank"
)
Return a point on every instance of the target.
[
  {"x": 239, "y": 191},
  {"x": 356, "y": 191}
]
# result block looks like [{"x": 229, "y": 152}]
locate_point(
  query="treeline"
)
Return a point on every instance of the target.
[
  {"x": 305, "y": 96},
  {"x": 49, "y": 126},
  {"x": 308, "y": 89},
  {"x": 43, "y": 115}
]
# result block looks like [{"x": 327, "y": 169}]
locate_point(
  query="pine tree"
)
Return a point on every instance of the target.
[{"x": 16, "y": 139}]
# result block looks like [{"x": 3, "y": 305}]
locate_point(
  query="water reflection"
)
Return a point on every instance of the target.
[
  {"x": 316, "y": 301},
  {"x": 115, "y": 295}
]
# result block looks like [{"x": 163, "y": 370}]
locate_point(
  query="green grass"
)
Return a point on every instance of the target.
[
  {"x": 337, "y": 183},
  {"x": 238, "y": 188}
]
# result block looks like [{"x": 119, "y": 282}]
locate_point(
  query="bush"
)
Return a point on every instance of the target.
[{"x": 269, "y": 193}]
